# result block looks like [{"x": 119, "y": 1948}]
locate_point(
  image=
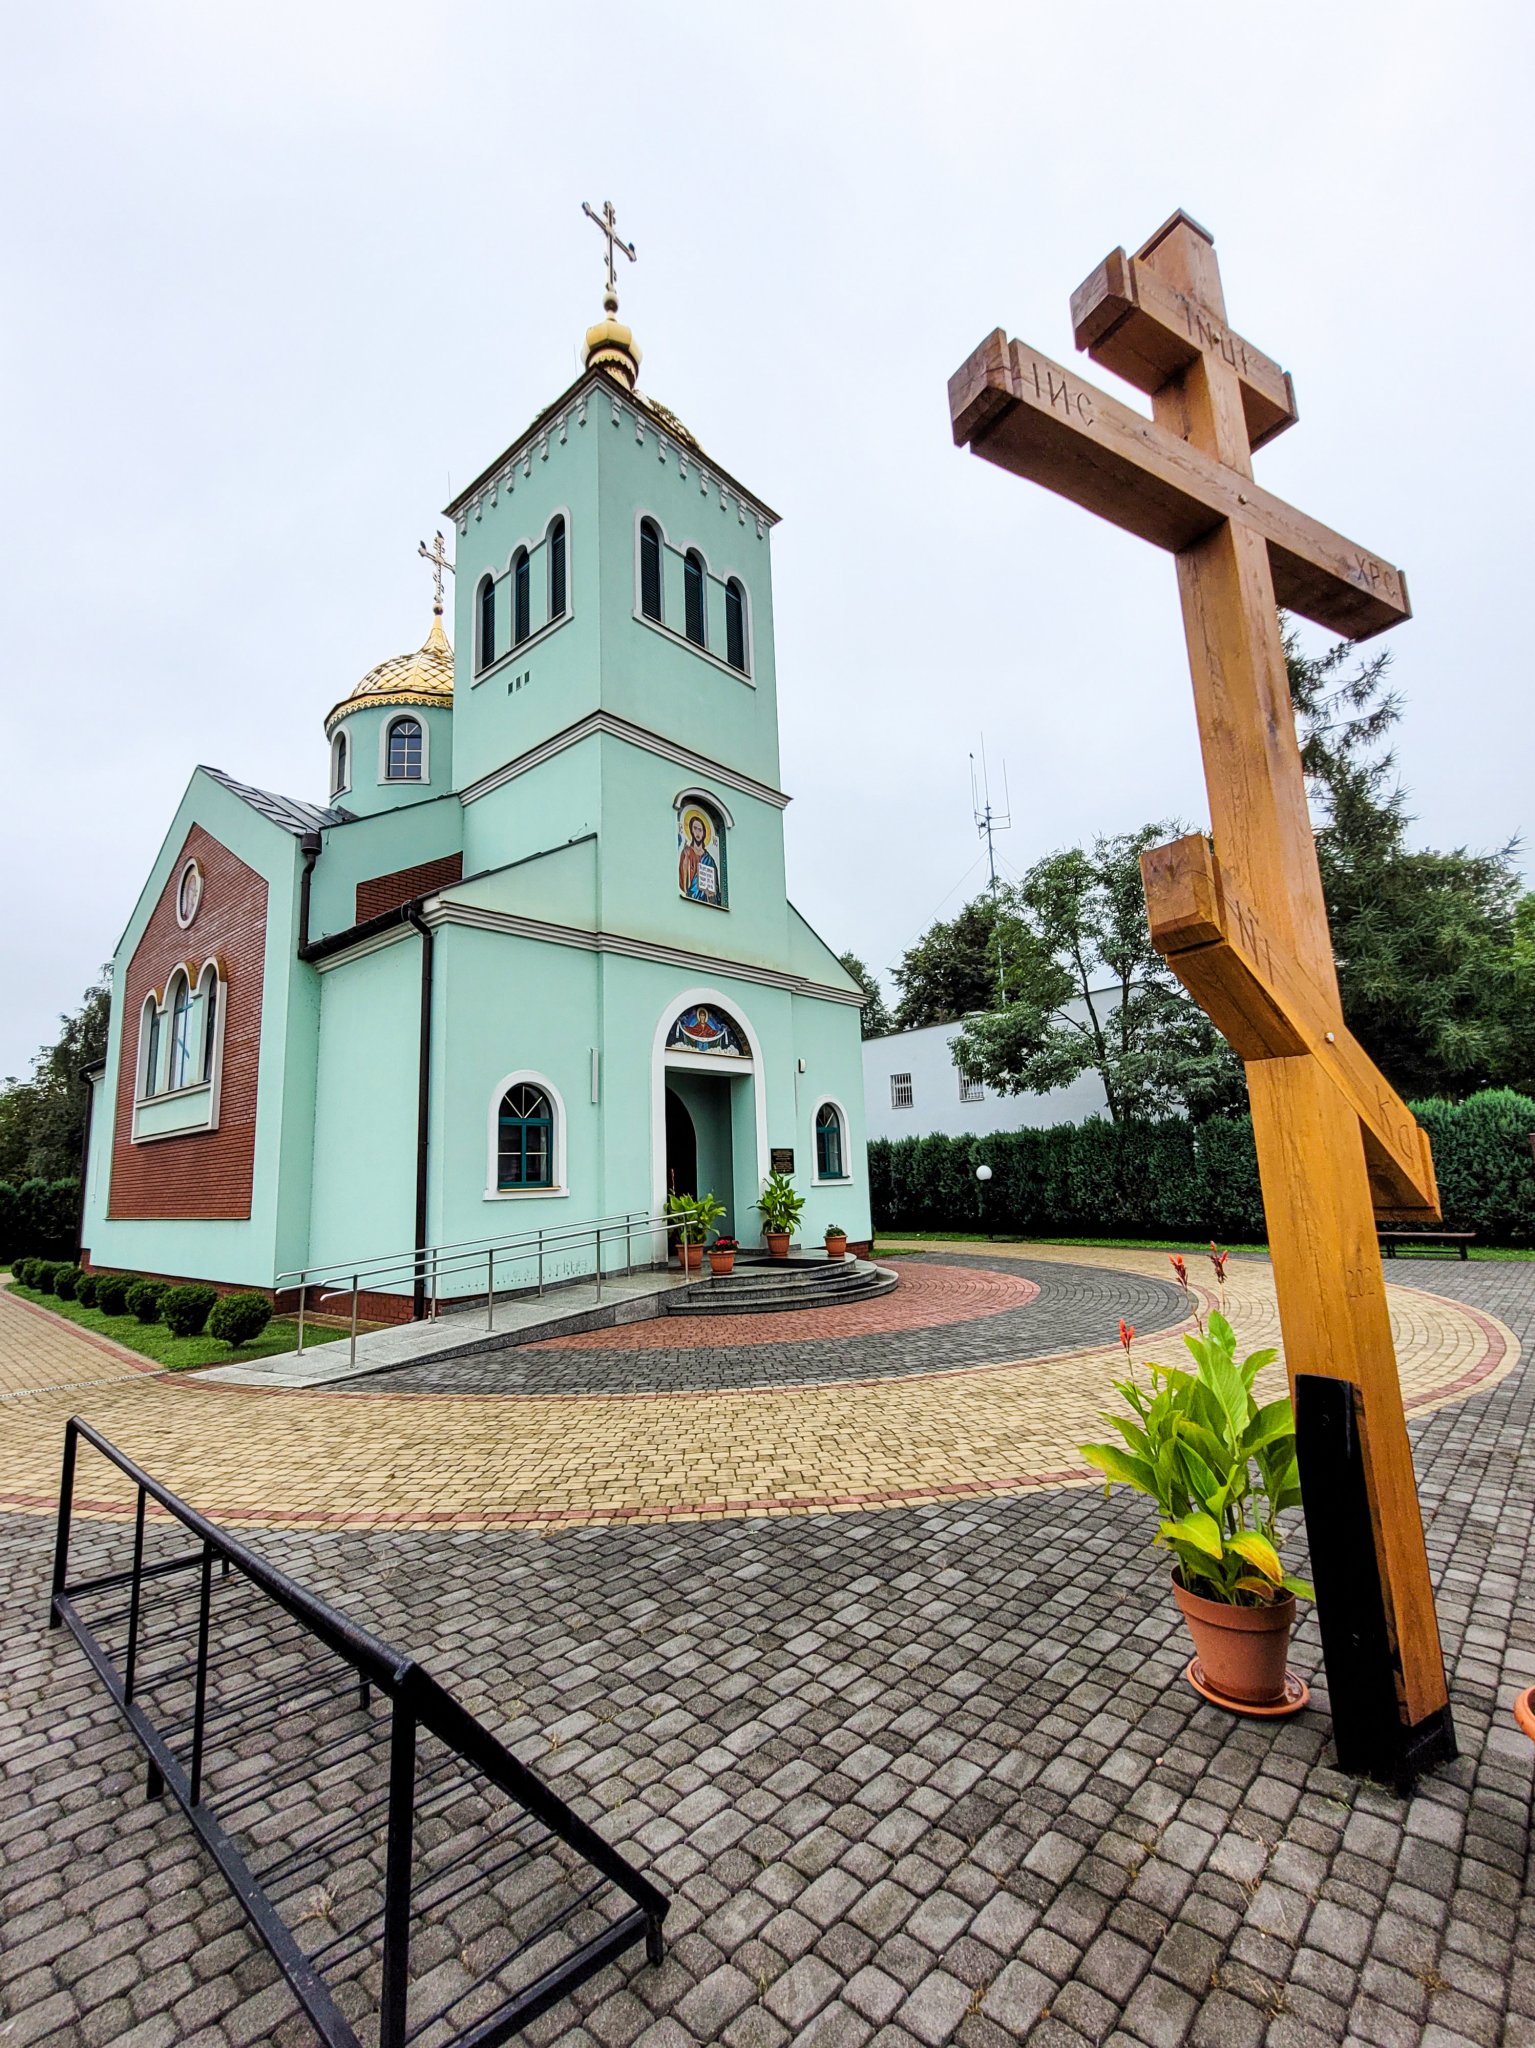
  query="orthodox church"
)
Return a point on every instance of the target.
[{"x": 532, "y": 966}]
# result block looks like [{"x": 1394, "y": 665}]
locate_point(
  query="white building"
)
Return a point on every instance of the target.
[{"x": 912, "y": 1089}]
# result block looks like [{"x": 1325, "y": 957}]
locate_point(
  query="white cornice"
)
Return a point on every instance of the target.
[
  {"x": 614, "y": 727},
  {"x": 375, "y": 944},
  {"x": 442, "y": 911}
]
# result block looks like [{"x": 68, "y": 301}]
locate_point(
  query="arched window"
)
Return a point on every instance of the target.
[
  {"x": 700, "y": 853},
  {"x": 557, "y": 567},
  {"x": 404, "y": 752},
  {"x": 208, "y": 1004},
  {"x": 486, "y": 621},
  {"x": 830, "y": 1143},
  {"x": 694, "y": 585},
  {"x": 178, "y": 1001},
  {"x": 149, "y": 1048},
  {"x": 650, "y": 569},
  {"x": 340, "y": 776},
  {"x": 521, "y": 598},
  {"x": 525, "y": 1138},
  {"x": 735, "y": 625}
]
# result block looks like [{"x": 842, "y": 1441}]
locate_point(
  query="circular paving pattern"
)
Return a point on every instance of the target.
[
  {"x": 548, "y": 1460},
  {"x": 947, "y": 1312}
]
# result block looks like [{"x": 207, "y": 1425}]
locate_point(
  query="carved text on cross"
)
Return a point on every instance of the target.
[
  {"x": 437, "y": 555},
  {"x": 607, "y": 222}
]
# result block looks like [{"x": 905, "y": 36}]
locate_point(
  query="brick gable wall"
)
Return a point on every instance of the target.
[
  {"x": 388, "y": 892},
  {"x": 206, "y": 1174}
]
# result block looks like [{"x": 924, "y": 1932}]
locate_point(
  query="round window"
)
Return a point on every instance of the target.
[{"x": 189, "y": 893}]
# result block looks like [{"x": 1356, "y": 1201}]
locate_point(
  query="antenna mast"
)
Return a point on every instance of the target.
[{"x": 989, "y": 820}]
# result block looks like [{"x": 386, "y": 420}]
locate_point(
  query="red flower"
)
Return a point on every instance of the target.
[
  {"x": 1180, "y": 1269},
  {"x": 1218, "y": 1261},
  {"x": 1126, "y": 1334}
]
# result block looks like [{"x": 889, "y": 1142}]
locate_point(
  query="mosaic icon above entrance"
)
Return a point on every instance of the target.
[{"x": 702, "y": 1028}]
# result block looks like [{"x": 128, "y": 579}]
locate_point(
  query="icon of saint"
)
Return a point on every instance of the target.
[{"x": 698, "y": 874}]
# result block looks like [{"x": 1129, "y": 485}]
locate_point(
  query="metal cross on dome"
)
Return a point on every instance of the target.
[
  {"x": 437, "y": 555},
  {"x": 607, "y": 223}
]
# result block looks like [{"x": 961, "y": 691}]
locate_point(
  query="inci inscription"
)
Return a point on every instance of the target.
[
  {"x": 1053, "y": 388},
  {"x": 1219, "y": 341}
]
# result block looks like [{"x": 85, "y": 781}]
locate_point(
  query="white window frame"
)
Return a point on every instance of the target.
[
  {"x": 386, "y": 780},
  {"x": 682, "y": 549},
  {"x": 970, "y": 1089},
  {"x": 560, "y": 1191},
  {"x": 830, "y": 1180},
  {"x": 340, "y": 762},
  {"x": 898, "y": 1081},
  {"x": 189, "y": 867},
  {"x": 210, "y": 1084}
]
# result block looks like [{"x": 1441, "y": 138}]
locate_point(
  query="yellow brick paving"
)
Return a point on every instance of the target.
[{"x": 375, "y": 1458}]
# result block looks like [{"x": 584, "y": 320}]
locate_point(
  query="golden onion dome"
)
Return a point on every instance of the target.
[
  {"x": 669, "y": 420},
  {"x": 425, "y": 677},
  {"x": 611, "y": 346}
]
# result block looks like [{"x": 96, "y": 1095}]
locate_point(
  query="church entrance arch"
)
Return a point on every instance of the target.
[{"x": 708, "y": 1111}]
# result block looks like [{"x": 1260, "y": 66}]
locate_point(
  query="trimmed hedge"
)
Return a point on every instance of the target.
[
  {"x": 1181, "y": 1180},
  {"x": 184, "y": 1309},
  {"x": 85, "y": 1289},
  {"x": 65, "y": 1281},
  {"x": 38, "y": 1218},
  {"x": 112, "y": 1291},
  {"x": 144, "y": 1300},
  {"x": 239, "y": 1318}
]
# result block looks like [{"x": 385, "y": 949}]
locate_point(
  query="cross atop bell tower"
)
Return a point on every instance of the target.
[{"x": 610, "y": 345}]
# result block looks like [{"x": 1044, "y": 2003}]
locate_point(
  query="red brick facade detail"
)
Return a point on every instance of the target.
[
  {"x": 388, "y": 892},
  {"x": 206, "y": 1174}
]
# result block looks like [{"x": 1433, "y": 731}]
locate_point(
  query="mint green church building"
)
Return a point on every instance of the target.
[{"x": 532, "y": 964}]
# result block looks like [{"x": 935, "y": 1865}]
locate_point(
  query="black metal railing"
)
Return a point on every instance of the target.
[{"x": 351, "y": 1802}]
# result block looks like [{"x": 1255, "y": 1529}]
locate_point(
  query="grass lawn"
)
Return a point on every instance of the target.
[
  {"x": 891, "y": 1238},
  {"x": 153, "y": 1340}
]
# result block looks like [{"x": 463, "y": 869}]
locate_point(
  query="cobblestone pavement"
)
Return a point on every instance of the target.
[
  {"x": 373, "y": 1456},
  {"x": 911, "y": 1777},
  {"x": 943, "y": 1314}
]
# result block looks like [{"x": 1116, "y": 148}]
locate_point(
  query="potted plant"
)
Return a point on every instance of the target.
[
  {"x": 1221, "y": 1470},
  {"x": 693, "y": 1214},
  {"x": 836, "y": 1241},
  {"x": 779, "y": 1204},
  {"x": 722, "y": 1257}
]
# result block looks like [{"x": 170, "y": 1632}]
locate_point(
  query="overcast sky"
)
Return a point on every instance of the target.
[{"x": 277, "y": 277}]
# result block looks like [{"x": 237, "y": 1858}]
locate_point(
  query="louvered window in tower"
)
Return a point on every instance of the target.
[
  {"x": 557, "y": 569},
  {"x": 735, "y": 625},
  {"x": 487, "y": 621},
  {"x": 694, "y": 583},
  {"x": 650, "y": 569},
  {"x": 521, "y": 598}
]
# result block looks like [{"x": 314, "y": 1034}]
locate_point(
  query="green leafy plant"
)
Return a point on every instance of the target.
[
  {"x": 184, "y": 1309},
  {"x": 239, "y": 1318},
  {"x": 143, "y": 1300},
  {"x": 65, "y": 1281},
  {"x": 85, "y": 1289},
  {"x": 686, "y": 1212},
  {"x": 21, "y": 1272},
  {"x": 1193, "y": 1443},
  {"x": 780, "y": 1204},
  {"x": 112, "y": 1291}
]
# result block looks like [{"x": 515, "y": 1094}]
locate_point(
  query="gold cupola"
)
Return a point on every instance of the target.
[
  {"x": 424, "y": 678},
  {"x": 611, "y": 346}
]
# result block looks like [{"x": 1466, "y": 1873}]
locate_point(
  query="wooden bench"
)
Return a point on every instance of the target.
[{"x": 1390, "y": 1239}]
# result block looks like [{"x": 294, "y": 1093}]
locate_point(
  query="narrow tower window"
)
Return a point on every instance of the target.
[
  {"x": 487, "y": 620},
  {"x": 181, "y": 1034},
  {"x": 208, "y": 989},
  {"x": 693, "y": 586},
  {"x": 339, "y": 778},
  {"x": 735, "y": 625},
  {"x": 404, "y": 759},
  {"x": 149, "y": 1040},
  {"x": 650, "y": 569},
  {"x": 557, "y": 569},
  {"x": 521, "y": 625},
  {"x": 828, "y": 1143}
]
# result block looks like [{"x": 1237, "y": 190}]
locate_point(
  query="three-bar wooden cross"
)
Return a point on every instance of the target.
[{"x": 1242, "y": 921}]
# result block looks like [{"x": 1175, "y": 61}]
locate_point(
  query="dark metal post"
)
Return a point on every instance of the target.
[
  {"x": 133, "y": 1597},
  {"x": 204, "y": 1603},
  {"x": 397, "y": 1878},
  {"x": 66, "y": 1509}
]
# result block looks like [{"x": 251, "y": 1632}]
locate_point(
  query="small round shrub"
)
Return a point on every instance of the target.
[
  {"x": 144, "y": 1300},
  {"x": 85, "y": 1289},
  {"x": 21, "y": 1271},
  {"x": 184, "y": 1310},
  {"x": 34, "y": 1266},
  {"x": 48, "y": 1271},
  {"x": 65, "y": 1281},
  {"x": 112, "y": 1293},
  {"x": 239, "y": 1318}
]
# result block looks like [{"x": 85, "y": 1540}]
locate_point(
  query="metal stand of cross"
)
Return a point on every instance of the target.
[{"x": 1241, "y": 918}]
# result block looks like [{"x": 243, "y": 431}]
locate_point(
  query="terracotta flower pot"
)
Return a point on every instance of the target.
[
  {"x": 690, "y": 1257},
  {"x": 836, "y": 1247},
  {"x": 1241, "y": 1650},
  {"x": 777, "y": 1244},
  {"x": 721, "y": 1263}
]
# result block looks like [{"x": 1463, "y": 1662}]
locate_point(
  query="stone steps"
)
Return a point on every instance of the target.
[{"x": 763, "y": 1286}]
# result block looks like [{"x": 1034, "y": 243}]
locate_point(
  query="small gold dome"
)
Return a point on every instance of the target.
[
  {"x": 612, "y": 347},
  {"x": 425, "y": 677}
]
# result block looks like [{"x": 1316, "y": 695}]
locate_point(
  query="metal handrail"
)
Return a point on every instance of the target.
[
  {"x": 343, "y": 1268},
  {"x": 467, "y": 1253}
]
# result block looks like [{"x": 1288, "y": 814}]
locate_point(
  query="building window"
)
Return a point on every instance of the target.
[
  {"x": 970, "y": 1090},
  {"x": 694, "y": 586},
  {"x": 179, "y": 1003},
  {"x": 650, "y": 570},
  {"x": 900, "y": 1091},
  {"x": 189, "y": 893},
  {"x": 149, "y": 1048},
  {"x": 486, "y": 622},
  {"x": 525, "y": 1139},
  {"x": 557, "y": 568},
  {"x": 208, "y": 1003},
  {"x": 521, "y": 598},
  {"x": 700, "y": 853},
  {"x": 340, "y": 779},
  {"x": 830, "y": 1143},
  {"x": 735, "y": 625},
  {"x": 404, "y": 754}
]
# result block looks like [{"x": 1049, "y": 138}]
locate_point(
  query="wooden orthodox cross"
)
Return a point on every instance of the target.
[{"x": 1242, "y": 921}]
